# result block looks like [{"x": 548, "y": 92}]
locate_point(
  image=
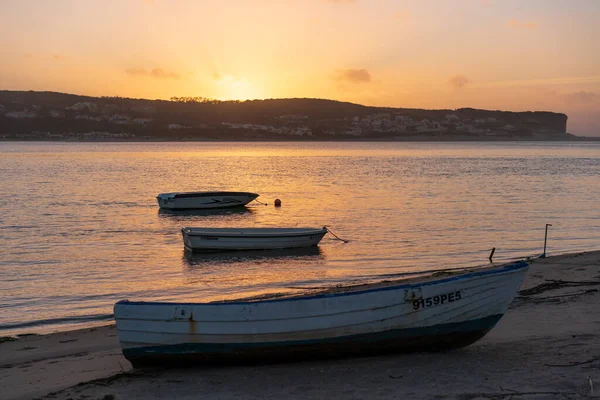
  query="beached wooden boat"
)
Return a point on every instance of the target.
[
  {"x": 215, "y": 239},
  {"x": 433, "y": 313},
  {"x": 201, "y": 200}
]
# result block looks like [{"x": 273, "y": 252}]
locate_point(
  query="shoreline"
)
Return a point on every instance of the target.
[
  {"x": 10, "y": 335},
  {"x": 577, "y": 139},
  {"x": 547, "y": 344},
  {"x": 49, "y": 329}
]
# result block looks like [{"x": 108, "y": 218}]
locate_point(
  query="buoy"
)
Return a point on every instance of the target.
[{"x": 277, "y": 203}]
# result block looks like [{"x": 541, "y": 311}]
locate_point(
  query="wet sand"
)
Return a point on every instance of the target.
[{"x": 547, "y": 346}]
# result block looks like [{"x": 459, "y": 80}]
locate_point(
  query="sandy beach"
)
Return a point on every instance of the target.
[{"x": 547, "y": 346}]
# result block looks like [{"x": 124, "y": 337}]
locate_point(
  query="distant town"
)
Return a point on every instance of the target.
[{"x": 65, "y": 117}]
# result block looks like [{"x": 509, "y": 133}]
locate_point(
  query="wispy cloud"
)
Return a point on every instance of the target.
[
  {"x": 352, "y": 75},
  {"x": 227, "y": 78},
  {"x": 569, "y": 80},
  {"x": 59, "y": 57},
  {"x": 513, "y": 23},
  {"x": 459, "y": 81},
  {"x": 157, "y": 73},
  {"x": 581, "y": 97}
]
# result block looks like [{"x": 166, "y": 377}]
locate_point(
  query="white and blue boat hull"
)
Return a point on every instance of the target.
[
  {"x": 227, "y": 239},
  {"x": 434, "y": 314},
  {"x": 203, "y": 200}
]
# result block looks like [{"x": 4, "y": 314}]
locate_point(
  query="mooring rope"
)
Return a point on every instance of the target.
[
  {"x": 260, "y": 202},
  {"x": 336, "y": 236}
]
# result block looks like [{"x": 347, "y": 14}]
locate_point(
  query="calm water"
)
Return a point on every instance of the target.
[{"x": 80, "y": 228}]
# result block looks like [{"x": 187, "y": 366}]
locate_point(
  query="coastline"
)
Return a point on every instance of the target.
[
  {"x": 546, "y": 345},
  {"x": 421, "y": 139}
]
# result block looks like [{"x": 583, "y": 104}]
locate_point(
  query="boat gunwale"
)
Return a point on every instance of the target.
[
  {"x": 184, "y": 195},
  {"x": 512, "y": 267},
  {"x": 286, "y": 232}
]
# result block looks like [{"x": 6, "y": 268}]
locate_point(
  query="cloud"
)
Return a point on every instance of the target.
[
  {"x": 136, "y": 71},
  {"x": 341, "y": 1},
  {"x": 157, "y": 73},
  {"x": 513, "y": 23},
  {"x": 581, "y": 97},
  {"x": 227, "y": 78},
  {"x": 162, "y": 74},
  {"x": 59, "y": 57},
  {"x": 459, "y": 81},
  {"x": 352, "y": 75}
]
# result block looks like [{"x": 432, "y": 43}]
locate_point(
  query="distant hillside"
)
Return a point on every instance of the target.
[{"x": 59, "y": 116}]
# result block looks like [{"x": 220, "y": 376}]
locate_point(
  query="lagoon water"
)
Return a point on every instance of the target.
[{"x": 80, "y": 227}]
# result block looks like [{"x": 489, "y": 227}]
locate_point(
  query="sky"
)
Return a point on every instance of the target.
[{"x": 493, "y": 54}]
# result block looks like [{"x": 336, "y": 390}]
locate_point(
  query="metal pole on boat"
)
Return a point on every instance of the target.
[{"x": 545, "y": 240}]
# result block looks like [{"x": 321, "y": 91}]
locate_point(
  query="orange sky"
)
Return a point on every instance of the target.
[{"x": 493, "y": 54}]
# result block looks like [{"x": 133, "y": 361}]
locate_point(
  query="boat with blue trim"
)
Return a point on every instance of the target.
[
  {"x": 216, "y": 239},
  {"x": 202, "y": 200},
  {"x": 421, "y": 314}
]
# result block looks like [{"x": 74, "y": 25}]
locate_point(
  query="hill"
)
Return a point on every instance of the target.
[{"x": 29, "y": 115}]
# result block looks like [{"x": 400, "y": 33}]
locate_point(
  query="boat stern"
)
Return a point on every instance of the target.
[{"x": 165, "y": 200}]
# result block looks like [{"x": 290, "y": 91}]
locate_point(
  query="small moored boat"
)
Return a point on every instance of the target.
[
  {"x": 432, "y": 313},
  {"x": 200, "y": 200},
  {"x": 214, "y": 239}
]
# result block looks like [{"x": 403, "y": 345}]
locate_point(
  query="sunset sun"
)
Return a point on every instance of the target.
[{"x": 233, "y": 88}]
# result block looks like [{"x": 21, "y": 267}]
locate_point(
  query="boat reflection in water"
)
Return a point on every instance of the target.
[
  {"x": 242, "y": 256},
  {"x": 185, "y": 214}
]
